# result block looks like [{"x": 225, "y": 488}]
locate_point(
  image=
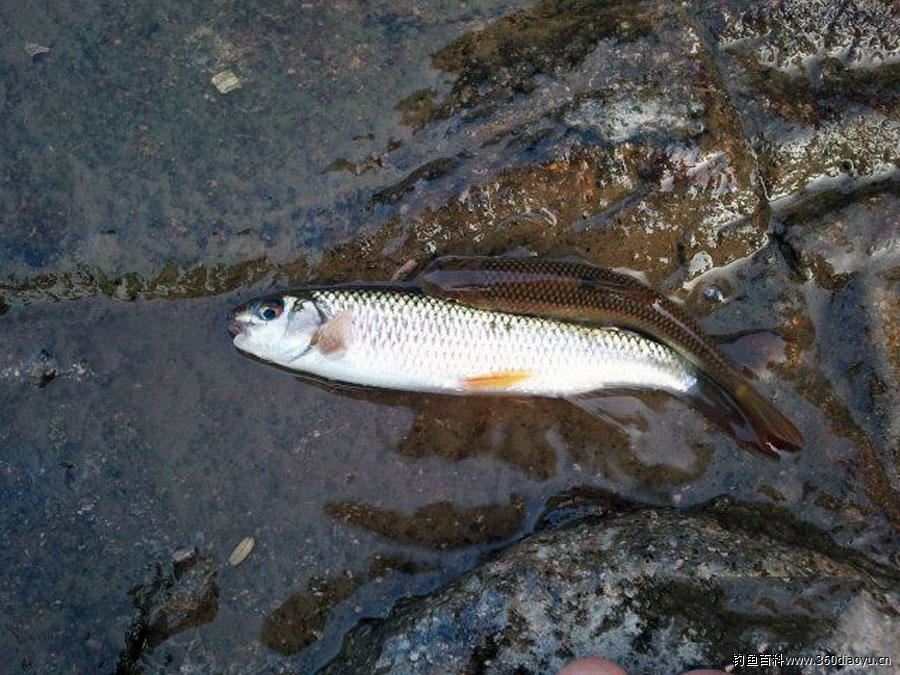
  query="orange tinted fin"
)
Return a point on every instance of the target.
[{"x": 495, "y": 381}]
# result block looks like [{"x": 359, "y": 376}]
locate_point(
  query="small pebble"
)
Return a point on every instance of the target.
[
  {"x": 226, "y": 81},
  {"x": 35, "y": 51},
  {"x": 241, "y": 551},
  {"x": 183, "y": 555},
  {"x": 42, "y": 368},
  {"x": 713, "y": 293}
]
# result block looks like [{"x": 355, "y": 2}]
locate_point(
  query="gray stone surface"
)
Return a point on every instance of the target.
[
  {"x": 656, "y": 591},
  {"x": 741, "y": 155}
]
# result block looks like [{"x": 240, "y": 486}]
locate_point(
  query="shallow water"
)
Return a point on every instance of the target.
[{"x": 138, "y": 448}]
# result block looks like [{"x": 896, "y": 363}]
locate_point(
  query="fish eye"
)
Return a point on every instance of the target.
[{"x": 268, "y": 310}]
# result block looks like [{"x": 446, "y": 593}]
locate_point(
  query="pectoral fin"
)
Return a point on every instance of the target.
[{"x": 333, "y": 336}]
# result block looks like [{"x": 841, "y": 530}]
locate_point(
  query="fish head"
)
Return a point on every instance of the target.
[{"x": 278, "y": 328}]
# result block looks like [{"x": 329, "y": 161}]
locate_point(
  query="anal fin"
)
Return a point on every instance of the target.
[{"x": 498, "y": 381}]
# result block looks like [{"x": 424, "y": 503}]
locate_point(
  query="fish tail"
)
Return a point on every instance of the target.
[{"x": 740, "y": 409}]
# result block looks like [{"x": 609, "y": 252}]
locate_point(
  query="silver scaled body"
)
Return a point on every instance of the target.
[{"x": 409, "y": 341}]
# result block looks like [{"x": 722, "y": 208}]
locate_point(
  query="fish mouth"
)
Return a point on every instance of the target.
[{"x": 235, "y": 328}]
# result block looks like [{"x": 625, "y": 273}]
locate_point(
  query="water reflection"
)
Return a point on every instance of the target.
[
  {"x": 647, "y": 140},
  {"x": 441, "y": 525},
  {"x": 299, "y": 620},
  {"x": 624, "y": 434}
]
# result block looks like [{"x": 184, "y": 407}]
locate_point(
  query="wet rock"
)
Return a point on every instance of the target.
[
  {"x": 814, "y": 83},
  {"x": 789, "y": 35},
  {"x": 569, "y": 127},
  {"x": 851, "y": 253},
  {"x": 508, "y": 55},
  {"x": 579, "y": 504},
  {"x": 656, "y": 591},
  {"x": 41, "y": 369},
  {"x": 842, "y": 154},
  {"x": 636, "y": 143},
  {"x": 175, "y": 597}
]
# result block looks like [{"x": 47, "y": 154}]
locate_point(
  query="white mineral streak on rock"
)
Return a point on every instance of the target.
[
  {"x": 798, "y": 34},
  {"x": 847, "y": 153},
  {"x": 630, "y": 117}
]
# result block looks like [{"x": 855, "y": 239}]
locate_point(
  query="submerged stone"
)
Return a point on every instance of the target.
[{"x": 656, "y": 591}]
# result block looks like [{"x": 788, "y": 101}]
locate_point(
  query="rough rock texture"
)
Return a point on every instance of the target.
[
  {"x": 656, "y": 591},
  {"x": 815, "y": 84},
  {"x": 170, "y": 601},
  {"x": 562, "y": 126},
  {"x": 852, "y": 255},
  {"x": 741, "y": 155}
]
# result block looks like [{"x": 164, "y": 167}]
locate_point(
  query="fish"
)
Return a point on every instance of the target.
[
  {"x": 507, "y": 326},
  {"x": 586, "y": 294}
]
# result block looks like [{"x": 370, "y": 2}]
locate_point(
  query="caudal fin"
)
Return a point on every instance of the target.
[{"x": 738, "y": 408}]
